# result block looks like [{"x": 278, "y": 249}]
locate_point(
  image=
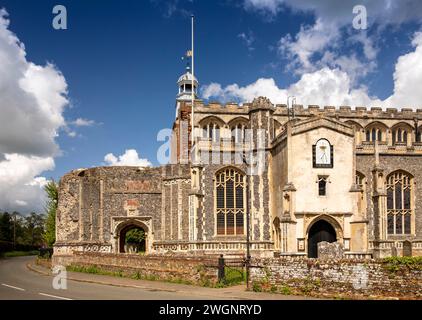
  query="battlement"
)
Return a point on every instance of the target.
[
  {"x": 348, "y": 111},
  {"x": 300, "y": 110}
]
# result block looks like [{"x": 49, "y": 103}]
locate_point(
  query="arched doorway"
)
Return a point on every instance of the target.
[
  {"x": 132, "y": 239},
  {"x": 320, "y": 231}
]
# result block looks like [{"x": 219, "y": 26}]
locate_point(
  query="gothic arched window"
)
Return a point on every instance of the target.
[
  {"x": 238, "y": 133},
  {"x": 399, "y": 203},
  {"x": 375, "y": 132},
  {"x": 401, "y": 134},
  {"x": 230, "y": 204},
  {"x": 211, "y": 131}
]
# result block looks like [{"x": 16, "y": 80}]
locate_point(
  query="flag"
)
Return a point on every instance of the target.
[{"x": 188, "y": 54}]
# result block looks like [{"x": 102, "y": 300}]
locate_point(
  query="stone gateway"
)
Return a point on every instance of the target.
[{"x": 298, "y": 175}]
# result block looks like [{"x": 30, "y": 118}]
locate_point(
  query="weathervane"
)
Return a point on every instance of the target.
[{"x": 293, "y": 102}]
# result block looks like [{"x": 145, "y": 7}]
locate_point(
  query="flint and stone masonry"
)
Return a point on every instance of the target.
[{"x": 304, "y": 175}]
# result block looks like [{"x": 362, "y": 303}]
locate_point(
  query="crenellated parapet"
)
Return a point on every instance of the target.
[
  {"x": 347, "y": 111},
  {"x": 301, "y": 110}
]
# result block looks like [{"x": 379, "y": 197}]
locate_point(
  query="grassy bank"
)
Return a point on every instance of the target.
[
  {"x": 11, "y": 254},
  {"x": 233, "y": 276}
]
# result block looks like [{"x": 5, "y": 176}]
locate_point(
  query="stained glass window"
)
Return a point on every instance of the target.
[
  {"x": 399, "y": 203},
  {"x": 230, "y": 207}
]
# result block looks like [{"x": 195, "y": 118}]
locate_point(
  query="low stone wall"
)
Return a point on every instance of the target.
[
  {"x": 46, "y": 263},
  {"x": 336, "y": 278},
  {"x": 183, "y": 269}
]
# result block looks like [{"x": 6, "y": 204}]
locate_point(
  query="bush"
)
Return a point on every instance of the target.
[
  {"x": 6, "y": 246},
  {"x": 257, "y": 287},
  {"x": 286, "y": 290},
  {"x": 234, "y": 276},
  {"x": 396, "y": 263},
  {"x": 46, "y": 253}
]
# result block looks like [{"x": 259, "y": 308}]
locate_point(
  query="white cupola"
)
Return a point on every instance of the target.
[{"x": 185, "y": 86}]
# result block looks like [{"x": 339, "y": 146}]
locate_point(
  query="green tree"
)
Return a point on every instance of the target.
[
  {"x": 34, "y": 229},
  {"x": 6, "y": 227},
  {"x": 51, "y": 189},
  {"x": 135, "y": 236}
]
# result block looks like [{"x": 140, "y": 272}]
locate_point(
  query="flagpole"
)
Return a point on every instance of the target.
[{"x": 193, "y": 85}]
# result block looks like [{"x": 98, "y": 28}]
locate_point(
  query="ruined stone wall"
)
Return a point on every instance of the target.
[
  {"x": 336, "y": 277},
  {"x": 93, "y": 203}
]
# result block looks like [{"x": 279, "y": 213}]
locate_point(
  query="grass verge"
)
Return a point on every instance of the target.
[{"x": 12, "y": 254}]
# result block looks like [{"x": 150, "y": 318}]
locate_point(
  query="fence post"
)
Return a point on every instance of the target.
[{"x": 221, "y": 273}]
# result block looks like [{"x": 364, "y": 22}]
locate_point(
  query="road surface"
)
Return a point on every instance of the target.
[{"x": 17, "y": 282}]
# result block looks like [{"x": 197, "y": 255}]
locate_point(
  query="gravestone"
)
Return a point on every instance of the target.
[
  {"x": 407, "y": 248},
  {"x": 394, "y": 251},
  {"x": 333, "y": 250}
]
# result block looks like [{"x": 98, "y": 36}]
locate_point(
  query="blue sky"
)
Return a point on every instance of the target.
[{"x": 120, "y": 60}]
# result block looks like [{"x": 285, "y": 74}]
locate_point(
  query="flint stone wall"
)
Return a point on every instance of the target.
[
  {"x": 335, "y": 277},
  {"x": 195, "y": 270}
]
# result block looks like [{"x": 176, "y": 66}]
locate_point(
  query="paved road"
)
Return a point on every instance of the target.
[{"x": 19, "y": 283}]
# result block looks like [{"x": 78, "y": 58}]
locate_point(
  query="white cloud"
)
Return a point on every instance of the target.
[
  {"x": 333, "y": 23},
  {"x": 32, "y": 102},
  {"x": 21, "y": 203},
  {"x": 81, "y": 122},
  {"x": 332, "y": 86},
  {"x": 408, "y": 77},
  {"x": 19, "y": 183},
  {"x": 72, "y": 134},
  {"x": 308, "y": 41},
  {"x": 316, "y": 54},
  {"x": 129, "y": 158},
  {"x": 248, "y": 39},
  {"x": 379, "y": 11},
  {"x": 324, "y": 87}
]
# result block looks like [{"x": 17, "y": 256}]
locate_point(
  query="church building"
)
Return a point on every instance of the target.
[{"x": 271, "y": 178}]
